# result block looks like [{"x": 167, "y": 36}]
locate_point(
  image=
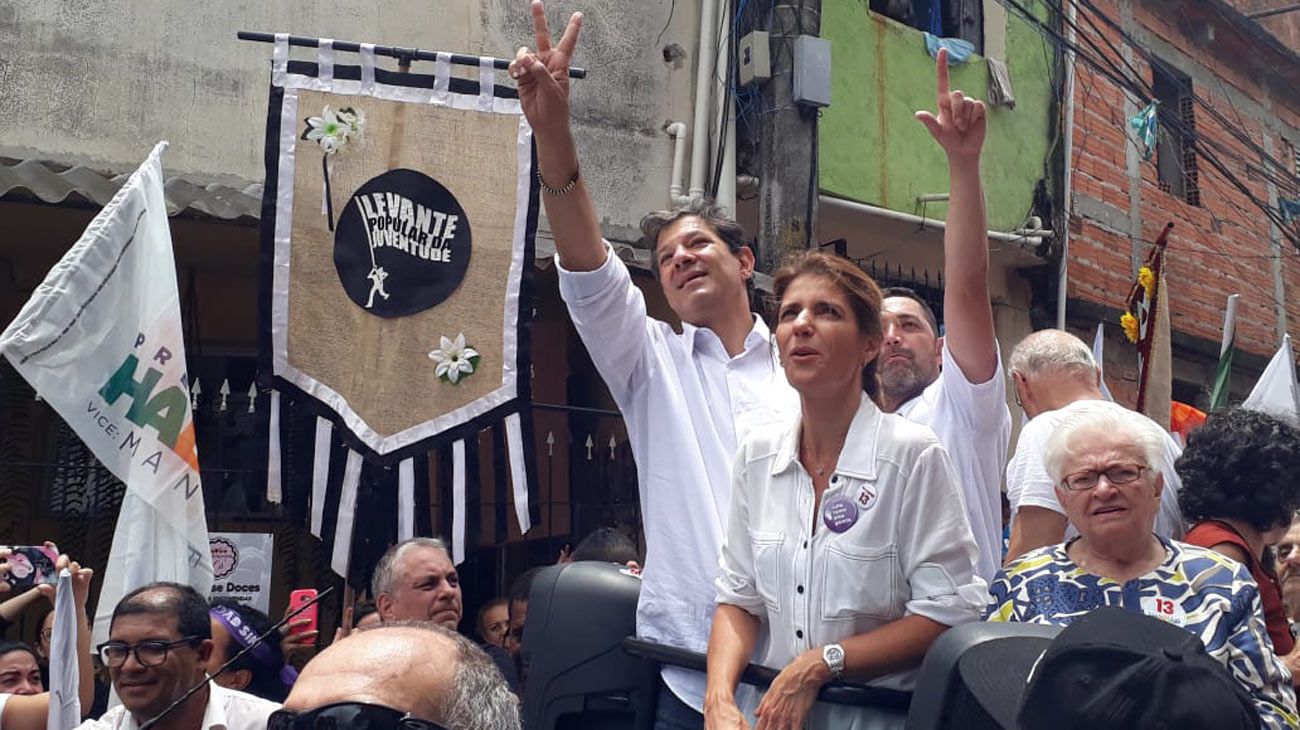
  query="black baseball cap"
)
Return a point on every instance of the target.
[{"x": 1111, "y": 668}]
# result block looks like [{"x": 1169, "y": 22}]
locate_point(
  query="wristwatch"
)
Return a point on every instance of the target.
[{"x": 833, "y": 655}]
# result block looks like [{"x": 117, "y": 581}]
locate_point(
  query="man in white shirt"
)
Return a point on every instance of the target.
[
  {"x": 953, "y": 383},
  {"x": 688, "y": 399},
  {"x": 396, "y": 672},
  {"x": 1055, "y": 375},
  {"x": 160, "y": 638}
]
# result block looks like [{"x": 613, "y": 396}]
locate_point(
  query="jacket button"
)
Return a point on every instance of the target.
[
  {"x": 799, "y": 589},
  {"x": 798, "y": 633}
]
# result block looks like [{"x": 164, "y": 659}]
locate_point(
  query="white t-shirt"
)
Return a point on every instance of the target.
[
  {"x": 227, "y": 709},
  {"x": 687, "y": 406},
  {"x": 3, "y": 699},
  {"x": 891, "y": 540},
  {"x": 1029, "y": 484},
  {"x": 973, "y": 423}
]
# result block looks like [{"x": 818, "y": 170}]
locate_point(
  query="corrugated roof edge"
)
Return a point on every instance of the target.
[{"x": 48, "y": 183}]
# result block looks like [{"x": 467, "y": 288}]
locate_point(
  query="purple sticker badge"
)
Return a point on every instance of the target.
[{"x": 839, "y": 513}]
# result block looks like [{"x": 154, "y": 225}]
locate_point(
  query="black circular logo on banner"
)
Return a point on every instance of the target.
[{"x": 402, "y": 244}]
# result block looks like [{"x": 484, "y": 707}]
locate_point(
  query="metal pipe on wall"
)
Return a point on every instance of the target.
[
  {"x": 1063, "y": 275},
  {"x": 704, "y": 57}
]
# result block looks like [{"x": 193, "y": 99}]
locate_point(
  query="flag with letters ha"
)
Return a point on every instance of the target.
[{"x": 100, "y": 341}]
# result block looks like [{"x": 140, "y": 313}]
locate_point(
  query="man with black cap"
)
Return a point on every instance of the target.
[{"x": 1111, "y": 668}]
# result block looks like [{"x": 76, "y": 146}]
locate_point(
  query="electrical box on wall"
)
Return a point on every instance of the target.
[
  {"x": 812, "y": 71},
  {"x": 753, "y": 55}
]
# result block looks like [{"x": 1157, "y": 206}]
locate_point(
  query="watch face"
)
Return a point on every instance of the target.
[{"x": 835, "y": 653}]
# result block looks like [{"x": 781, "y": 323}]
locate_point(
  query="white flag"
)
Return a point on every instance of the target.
[
  {"x": 100, "y": 340},
  {"x": 1098, "y": 354},
  {"x": 1276, "y": 393},
  {"x": 65, "y": 680}
]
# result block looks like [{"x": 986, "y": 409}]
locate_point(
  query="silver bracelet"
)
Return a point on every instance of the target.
[{"x": 565, "y": 190}]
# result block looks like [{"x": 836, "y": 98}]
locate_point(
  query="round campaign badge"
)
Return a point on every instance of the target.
[
  {"x": 402, "y": 244},
  {"x": 866, "y": 498},
  {"x": 839, "y": 513}
]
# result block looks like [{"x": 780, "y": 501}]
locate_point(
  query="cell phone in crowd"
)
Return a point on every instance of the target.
[
  {"x": 298, "y": 599},
  {"x": 31, "y": 565}
]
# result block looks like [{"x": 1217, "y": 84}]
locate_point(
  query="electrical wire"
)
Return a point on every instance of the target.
[
  {"x": 1101, "y": 63},
  {"x": 1141, "y": 90},
  {"x": 1185, "y": 87}
]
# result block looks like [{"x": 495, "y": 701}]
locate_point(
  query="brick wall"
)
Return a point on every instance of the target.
[
  {"x": 1285, "y": 27},
  {"x": 1218, "y": 248}
]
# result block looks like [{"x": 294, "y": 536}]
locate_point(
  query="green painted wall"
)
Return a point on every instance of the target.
[{"x": 874, "y": 151}]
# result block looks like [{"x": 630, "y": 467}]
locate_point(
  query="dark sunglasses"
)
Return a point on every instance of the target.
[{"x": 349, "y": 716}]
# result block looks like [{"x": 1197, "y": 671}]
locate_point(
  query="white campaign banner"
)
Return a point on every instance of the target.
[
  {"x": 241, "y": 567},
  {"x": 100, "y": 341}
]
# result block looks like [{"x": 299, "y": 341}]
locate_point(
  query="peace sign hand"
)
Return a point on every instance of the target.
[
  {"x": 542, "y": 75},
  {"x": 961, "y": 124}
]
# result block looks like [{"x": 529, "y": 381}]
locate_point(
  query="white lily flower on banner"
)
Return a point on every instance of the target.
[
  {"x": 454, "y": 359},
  {"x": 329, "y": 130}
]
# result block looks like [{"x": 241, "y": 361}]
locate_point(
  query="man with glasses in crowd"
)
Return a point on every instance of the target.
[
  {"x": 1288, "y": 570},
  {"x": 160, "y": 638}
]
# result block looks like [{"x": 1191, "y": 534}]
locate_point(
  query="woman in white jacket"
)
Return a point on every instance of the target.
[{"x": 848, "y": 550}]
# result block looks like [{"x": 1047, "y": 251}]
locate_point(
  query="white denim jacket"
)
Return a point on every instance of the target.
[{"x": 909, "y": 552}]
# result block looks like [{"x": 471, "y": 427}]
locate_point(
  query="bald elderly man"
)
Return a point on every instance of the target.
[{"x": 400, "y": 669}]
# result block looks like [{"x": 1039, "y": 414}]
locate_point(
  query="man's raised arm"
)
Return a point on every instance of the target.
[
  {"x": 542, "y": 75},
  {"x": 968, "y": 314}
]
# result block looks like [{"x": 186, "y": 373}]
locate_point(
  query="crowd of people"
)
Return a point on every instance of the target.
[{"x": 822, "y": 494}]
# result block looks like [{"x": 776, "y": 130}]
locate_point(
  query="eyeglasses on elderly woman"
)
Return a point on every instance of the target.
[
  {"x": 349, "y": 716},
  {"x": 1117, "y": 474}
]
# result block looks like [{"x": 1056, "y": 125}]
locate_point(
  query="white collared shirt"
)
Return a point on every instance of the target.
[
  {"x": 227, "y": 709},
  {"x": 1029, "y": 485},
  {"x": 686, "y": 405},
  {"x": 973, "y": 423},
  {"x": 908, "y": 550}
]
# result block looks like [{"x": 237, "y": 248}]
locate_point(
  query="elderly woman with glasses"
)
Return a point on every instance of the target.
[{"x": 1102, "y": 462}]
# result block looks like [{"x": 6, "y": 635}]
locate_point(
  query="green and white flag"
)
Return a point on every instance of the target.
[
  {"x": 1219, "y": 396},
  {"x": 100, "y": 340}
]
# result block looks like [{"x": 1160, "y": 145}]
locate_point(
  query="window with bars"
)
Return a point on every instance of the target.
[
  {"x": 1176, "y": 138},
  {"x": 1293, "y": 154}
]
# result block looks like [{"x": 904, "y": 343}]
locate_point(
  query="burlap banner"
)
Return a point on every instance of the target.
[{"x": 398, "y": 225}]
